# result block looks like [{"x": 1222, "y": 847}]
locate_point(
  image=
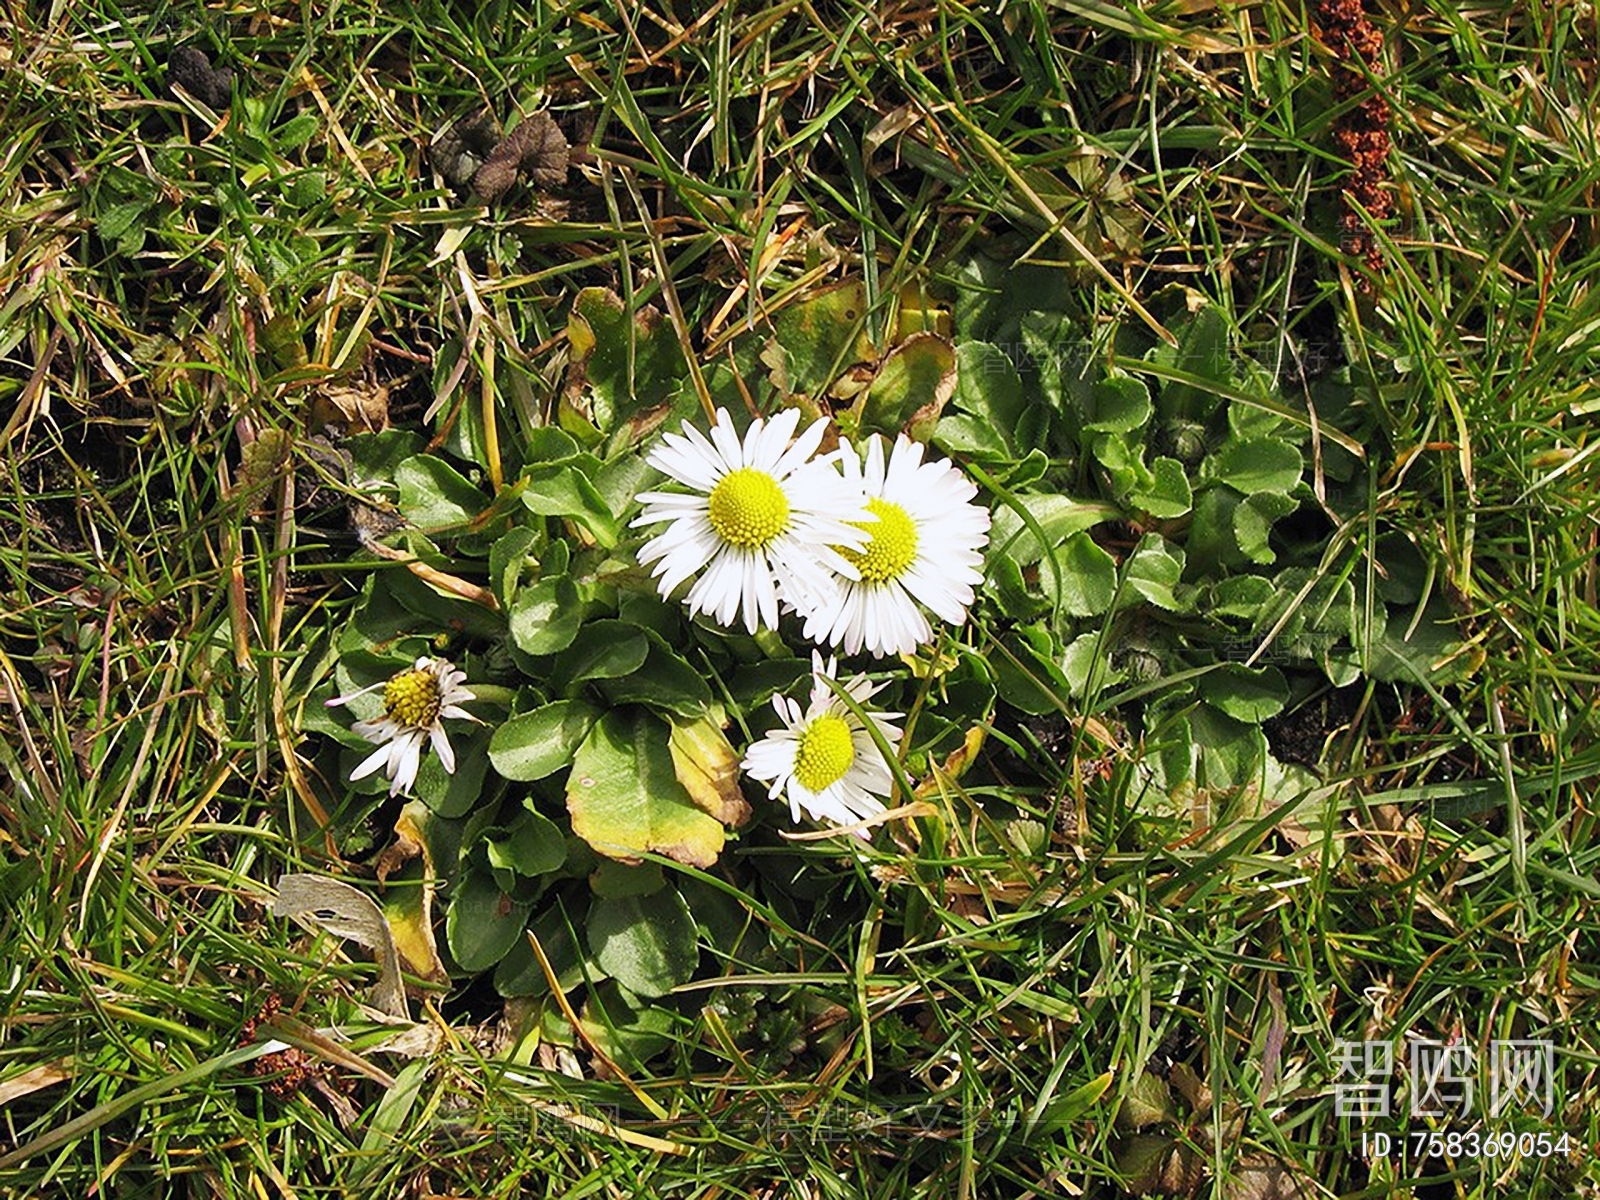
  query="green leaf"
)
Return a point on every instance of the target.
[
  {"x": 435, "y": 609},
  {"x": 540, "y": 743},
  {"x": 1213, "y": 544},
  {"x": 118, "y": 219},
  {"x": 1064, "y": 365},
  {"x": 970, "y": 437},
  {"x": 1086, "y": 666},
  {"x": 819, "y": 336},
  {"x": 1009, "y": 590},
  {"x": 1167, "y": 495},
  {"x": 1257, "y": 465},
  {"x": 546, "y": 444},
  {"x": 1403, "y": 574},
  {"x": 532, "y": 845},
  {"x": 546, "y": 617},
  {"x": 647, "y": 610},
  {"x": 1202, "y": 352},
  {"x": 519, "y": 972},
  {"x": 1432, "y": 651},
  {"x": 1240, "y": 596},
  {"x": 665, "y": 681},
  {"x": 1121, "y": 403},
  {"x": 1063, "y": 1110},
  {"x": 434, "y": 495},
  {"x": 625, "y": 1026},
  {"x": 605, "y": 649},
  {"x": 1027, "y": 673},
  {"x": 615, "y": 881},
  {"x": 1232, "y": 752},
  {"x": 295, "y": 132},
  {"x": 625, "y": 798},
  {"x": 1029, "y": 469},
  {"x": 453, "y": 795},
  {"x": 1058, "y": 518},
  {"x": 1252, "y": 532},
  {"x": 1245, "y": 693},
  {"x": 754, "y": 684},
  {"x": 618, "y": 481},
  {"x": 647, "y": 944},
  {"x": 563, "y": 490},
  {"x": 1153, "y": 570},
  {"x": 629, "y": 362},
  {"x": 508, "y": 559},
  {"x": 379, "y": 456},
  {"x": 1123, "y": 460},
  {"x": 993, "y": 295},
  {"x": 483, "y": 922},
  {"x": 1089, "y": 577},
  {"x": 306, "y": 189},
  {"x": 1170, "y": 749},
  {"x": 1251, "y": 420},
  {"x": 989, "y": 388}
]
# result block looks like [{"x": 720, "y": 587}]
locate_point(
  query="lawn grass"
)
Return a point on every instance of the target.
[{"x": 948, "y": 1013}]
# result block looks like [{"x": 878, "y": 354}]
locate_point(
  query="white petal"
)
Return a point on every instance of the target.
[
  {"x": 380, "y": 730},
  {"x": 407, "y": 758},
  {"x": 799, "y": 454},
  {"x": 369, "y": 764},
  {"x": 726, "y": 441},
  {"x": 442, "y": 747},
  {"x": 346, "y": 699}
]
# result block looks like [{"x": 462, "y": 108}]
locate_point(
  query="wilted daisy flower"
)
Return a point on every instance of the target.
[
  {"x": 824, "y": 757},
  {"x": 924, "y": 550},
  {"x": 763, "y": 521},
  {"x": 415, "y": 703}
]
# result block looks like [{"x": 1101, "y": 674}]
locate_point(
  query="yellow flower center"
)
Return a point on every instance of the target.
[
  {"x": 824, "y": 754},
  {"x": 412, "y": 698},
  {"x": 892, "y": 547},
  {"x": 748, "y": 508}
]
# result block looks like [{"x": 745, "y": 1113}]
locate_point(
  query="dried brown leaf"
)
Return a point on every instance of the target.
[
  {"x": 540, "y": 149},
  {"x": 495, "y": 178},
  {"x": 341, "y": 910}
]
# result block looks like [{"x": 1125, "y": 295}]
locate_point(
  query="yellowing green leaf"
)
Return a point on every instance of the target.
[
  {"x": 625, "y": 798},
  {"x": 708, "y": 767}
]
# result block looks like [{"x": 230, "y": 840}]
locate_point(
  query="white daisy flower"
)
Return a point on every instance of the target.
[
  {"x": 415, "y": 703},
  {"x": 925, "y": 551},
  {"x": 824, "y": 757},
  {"x": 763, "y": 520}
]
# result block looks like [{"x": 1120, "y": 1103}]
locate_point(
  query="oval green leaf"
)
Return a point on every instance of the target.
[
  {"x": 625, "y": 798},
  {"x": 434, "y": 495},
  {"x": 542, "y": 742},
  {"x": 546, "y": 616},
  {"x": 647, "y": 944},
  {"x": 483, "y": 922}
]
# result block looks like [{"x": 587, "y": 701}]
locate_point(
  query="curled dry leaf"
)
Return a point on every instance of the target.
[
  {"x": 408, "y": 910},
  {"x": 535, "y": 150},
  {"x": 345, "y": 410},
  {"x": 189, "y": 68},
  {"x": 1260, "y": 1177},
  {"x": 339, "y": 909},
  {"x": 541, "y": 150},
  {"x": 460, "y": 148},
  {"x": 494, "y": 179}
]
